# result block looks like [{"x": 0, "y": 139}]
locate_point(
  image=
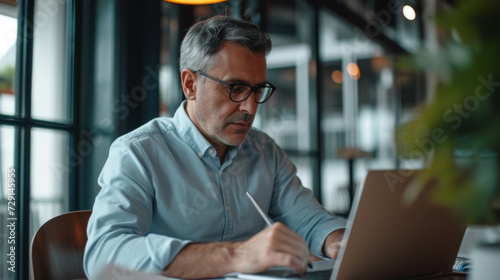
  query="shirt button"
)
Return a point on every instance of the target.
[
  {"x": 220, "y": 173},
  {"x": 199, "y": 154},
  {"x": 227, "y": 208},
  {"x": 210, "y": 150}
]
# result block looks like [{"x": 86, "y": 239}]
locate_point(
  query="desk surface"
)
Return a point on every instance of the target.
[
  {"x": 111, "y": 272},
  {"x": 451, "y": 277}
]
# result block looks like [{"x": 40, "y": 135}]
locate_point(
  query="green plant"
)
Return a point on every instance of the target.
[
  {"x": 7, "y": 78},
  {"x": 459, "y": 130}
]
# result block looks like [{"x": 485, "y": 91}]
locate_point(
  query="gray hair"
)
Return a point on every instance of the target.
[{"x": 205, "y": 38}]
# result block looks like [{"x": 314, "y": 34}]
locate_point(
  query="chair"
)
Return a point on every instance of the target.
[{"x": 57, "y": 247}]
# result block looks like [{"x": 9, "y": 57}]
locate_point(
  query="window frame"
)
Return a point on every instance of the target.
[{"x": 23, "y": 123}]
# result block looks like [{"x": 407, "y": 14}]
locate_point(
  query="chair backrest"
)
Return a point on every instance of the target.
[{"x": 58, "y": 246}]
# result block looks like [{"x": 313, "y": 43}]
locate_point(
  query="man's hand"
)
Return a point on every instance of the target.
[
  {"x": 276, "y": 245},
  {"x": 333, "y": 243}
]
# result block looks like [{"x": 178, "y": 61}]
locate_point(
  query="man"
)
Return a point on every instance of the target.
[{"x": 173, "y": 191}]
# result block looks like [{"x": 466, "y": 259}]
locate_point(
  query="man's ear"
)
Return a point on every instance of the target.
[{"x": 189, "y": 83}]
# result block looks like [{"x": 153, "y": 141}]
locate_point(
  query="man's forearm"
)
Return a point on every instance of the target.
[
  {"x": 202, "y": 261},
  {"x": 275, "y": 245}
]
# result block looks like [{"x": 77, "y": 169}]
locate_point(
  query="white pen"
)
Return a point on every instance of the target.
[
  {"x": 265, "y": 216},
  {"x": 261, "y": 212}
]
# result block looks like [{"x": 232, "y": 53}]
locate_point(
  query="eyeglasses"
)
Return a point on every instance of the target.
[{"x": 240, "y": 92}]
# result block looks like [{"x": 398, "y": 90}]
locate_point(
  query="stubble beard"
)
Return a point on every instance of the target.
[{"x": 215, "y": 132}]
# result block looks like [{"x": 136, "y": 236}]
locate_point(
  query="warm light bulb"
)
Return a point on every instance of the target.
[
  {"x": 353, "y": 69},
  {"x": 409, "y": 12},
  {"x": 195, "y": 2},
  {"x": 337, "y": 76}
]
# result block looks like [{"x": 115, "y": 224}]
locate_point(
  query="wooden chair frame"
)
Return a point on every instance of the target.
[{"x": 58, "y": 246}]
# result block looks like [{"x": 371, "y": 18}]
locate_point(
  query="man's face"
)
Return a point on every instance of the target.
[{"x": 222, "y": 121}]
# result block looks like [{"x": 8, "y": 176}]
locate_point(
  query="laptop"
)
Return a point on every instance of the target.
[{"x": 394, "y": 231}]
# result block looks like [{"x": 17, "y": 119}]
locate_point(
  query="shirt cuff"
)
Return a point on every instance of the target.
[{"x": 323, "y": 232}]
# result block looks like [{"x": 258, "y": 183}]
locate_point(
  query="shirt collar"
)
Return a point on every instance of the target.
[{"x": 193, "y": 137}]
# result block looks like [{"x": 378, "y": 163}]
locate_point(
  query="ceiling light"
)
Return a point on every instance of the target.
[
  {"x": 353, "y": 69},
  {"x": 195, "y": 2},
  {"x": 409, "y": 12},
  {"x": 337, "y": 76}
]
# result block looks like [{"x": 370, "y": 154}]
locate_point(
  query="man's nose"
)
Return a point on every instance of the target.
[{"x": 249, "y": 105}]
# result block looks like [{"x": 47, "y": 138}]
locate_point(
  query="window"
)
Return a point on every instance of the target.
[
  {"x": 175, "y": 21},
  {"x": 36, "y": 122},
  {"x": 352, "y": 103},
  {"x": 333, "y": 124},
  {"x": 287, "y": 116},
  {"x": 8, "y": 32},
  {"x": 364, "y": 97},
  {"x": 354, "y": 84}
]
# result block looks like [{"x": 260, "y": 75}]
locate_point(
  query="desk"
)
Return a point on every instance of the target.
[
  {"x": 451, "y": 277},
  {"x": 113, "y": 272}
]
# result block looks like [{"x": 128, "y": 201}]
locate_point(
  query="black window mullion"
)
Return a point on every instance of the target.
[
  {"x": 316, "y": 118},
  {"x": 23, "y": 153},
  {"x": 72, "y": 76},
  {"x": 24, "y": 62},
  {"x": 17, "y": 121}
]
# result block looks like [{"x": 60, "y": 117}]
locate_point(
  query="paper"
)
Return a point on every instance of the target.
[
  {"x": 281, "y": 272},
  {"x": 111, "y": 272}
]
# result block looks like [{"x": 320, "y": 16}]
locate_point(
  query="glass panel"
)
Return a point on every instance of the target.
[
  {"x": 49, "y": 94},
  {"x": 288, "y": 69},
  {"x": 50, "y": 169},
  {"x": 170, "y": 88},
  {"x": 399, "y": 20},
  {"x": 8, "y": 33},
  {"x": 289, "y": 22},
  {"x": 286, "y": 116},
  {"x": 304, "y": 169},
  {"x": 278, "y": 116},
  {"x": 8, "y": 184},
  {"x": 410, "y": 85},
  {"x": 359, "y": 112},
  {"x": 169, "y": 83},
  {"x": 365, "y": 97}
]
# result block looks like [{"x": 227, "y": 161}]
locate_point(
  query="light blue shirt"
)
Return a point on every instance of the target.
[{"x": 163, "y": 187}]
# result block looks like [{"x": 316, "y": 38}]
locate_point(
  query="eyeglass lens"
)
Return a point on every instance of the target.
[{"x": 241, "y": 92}]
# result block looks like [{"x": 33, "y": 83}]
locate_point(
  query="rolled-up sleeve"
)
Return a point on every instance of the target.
[{"x": 119, "y": 228}]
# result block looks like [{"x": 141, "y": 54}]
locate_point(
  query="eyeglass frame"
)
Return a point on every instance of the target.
[{"x": 252, "y": 89}]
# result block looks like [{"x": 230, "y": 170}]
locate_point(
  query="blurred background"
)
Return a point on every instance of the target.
[{"x": 75, "y": 75}]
